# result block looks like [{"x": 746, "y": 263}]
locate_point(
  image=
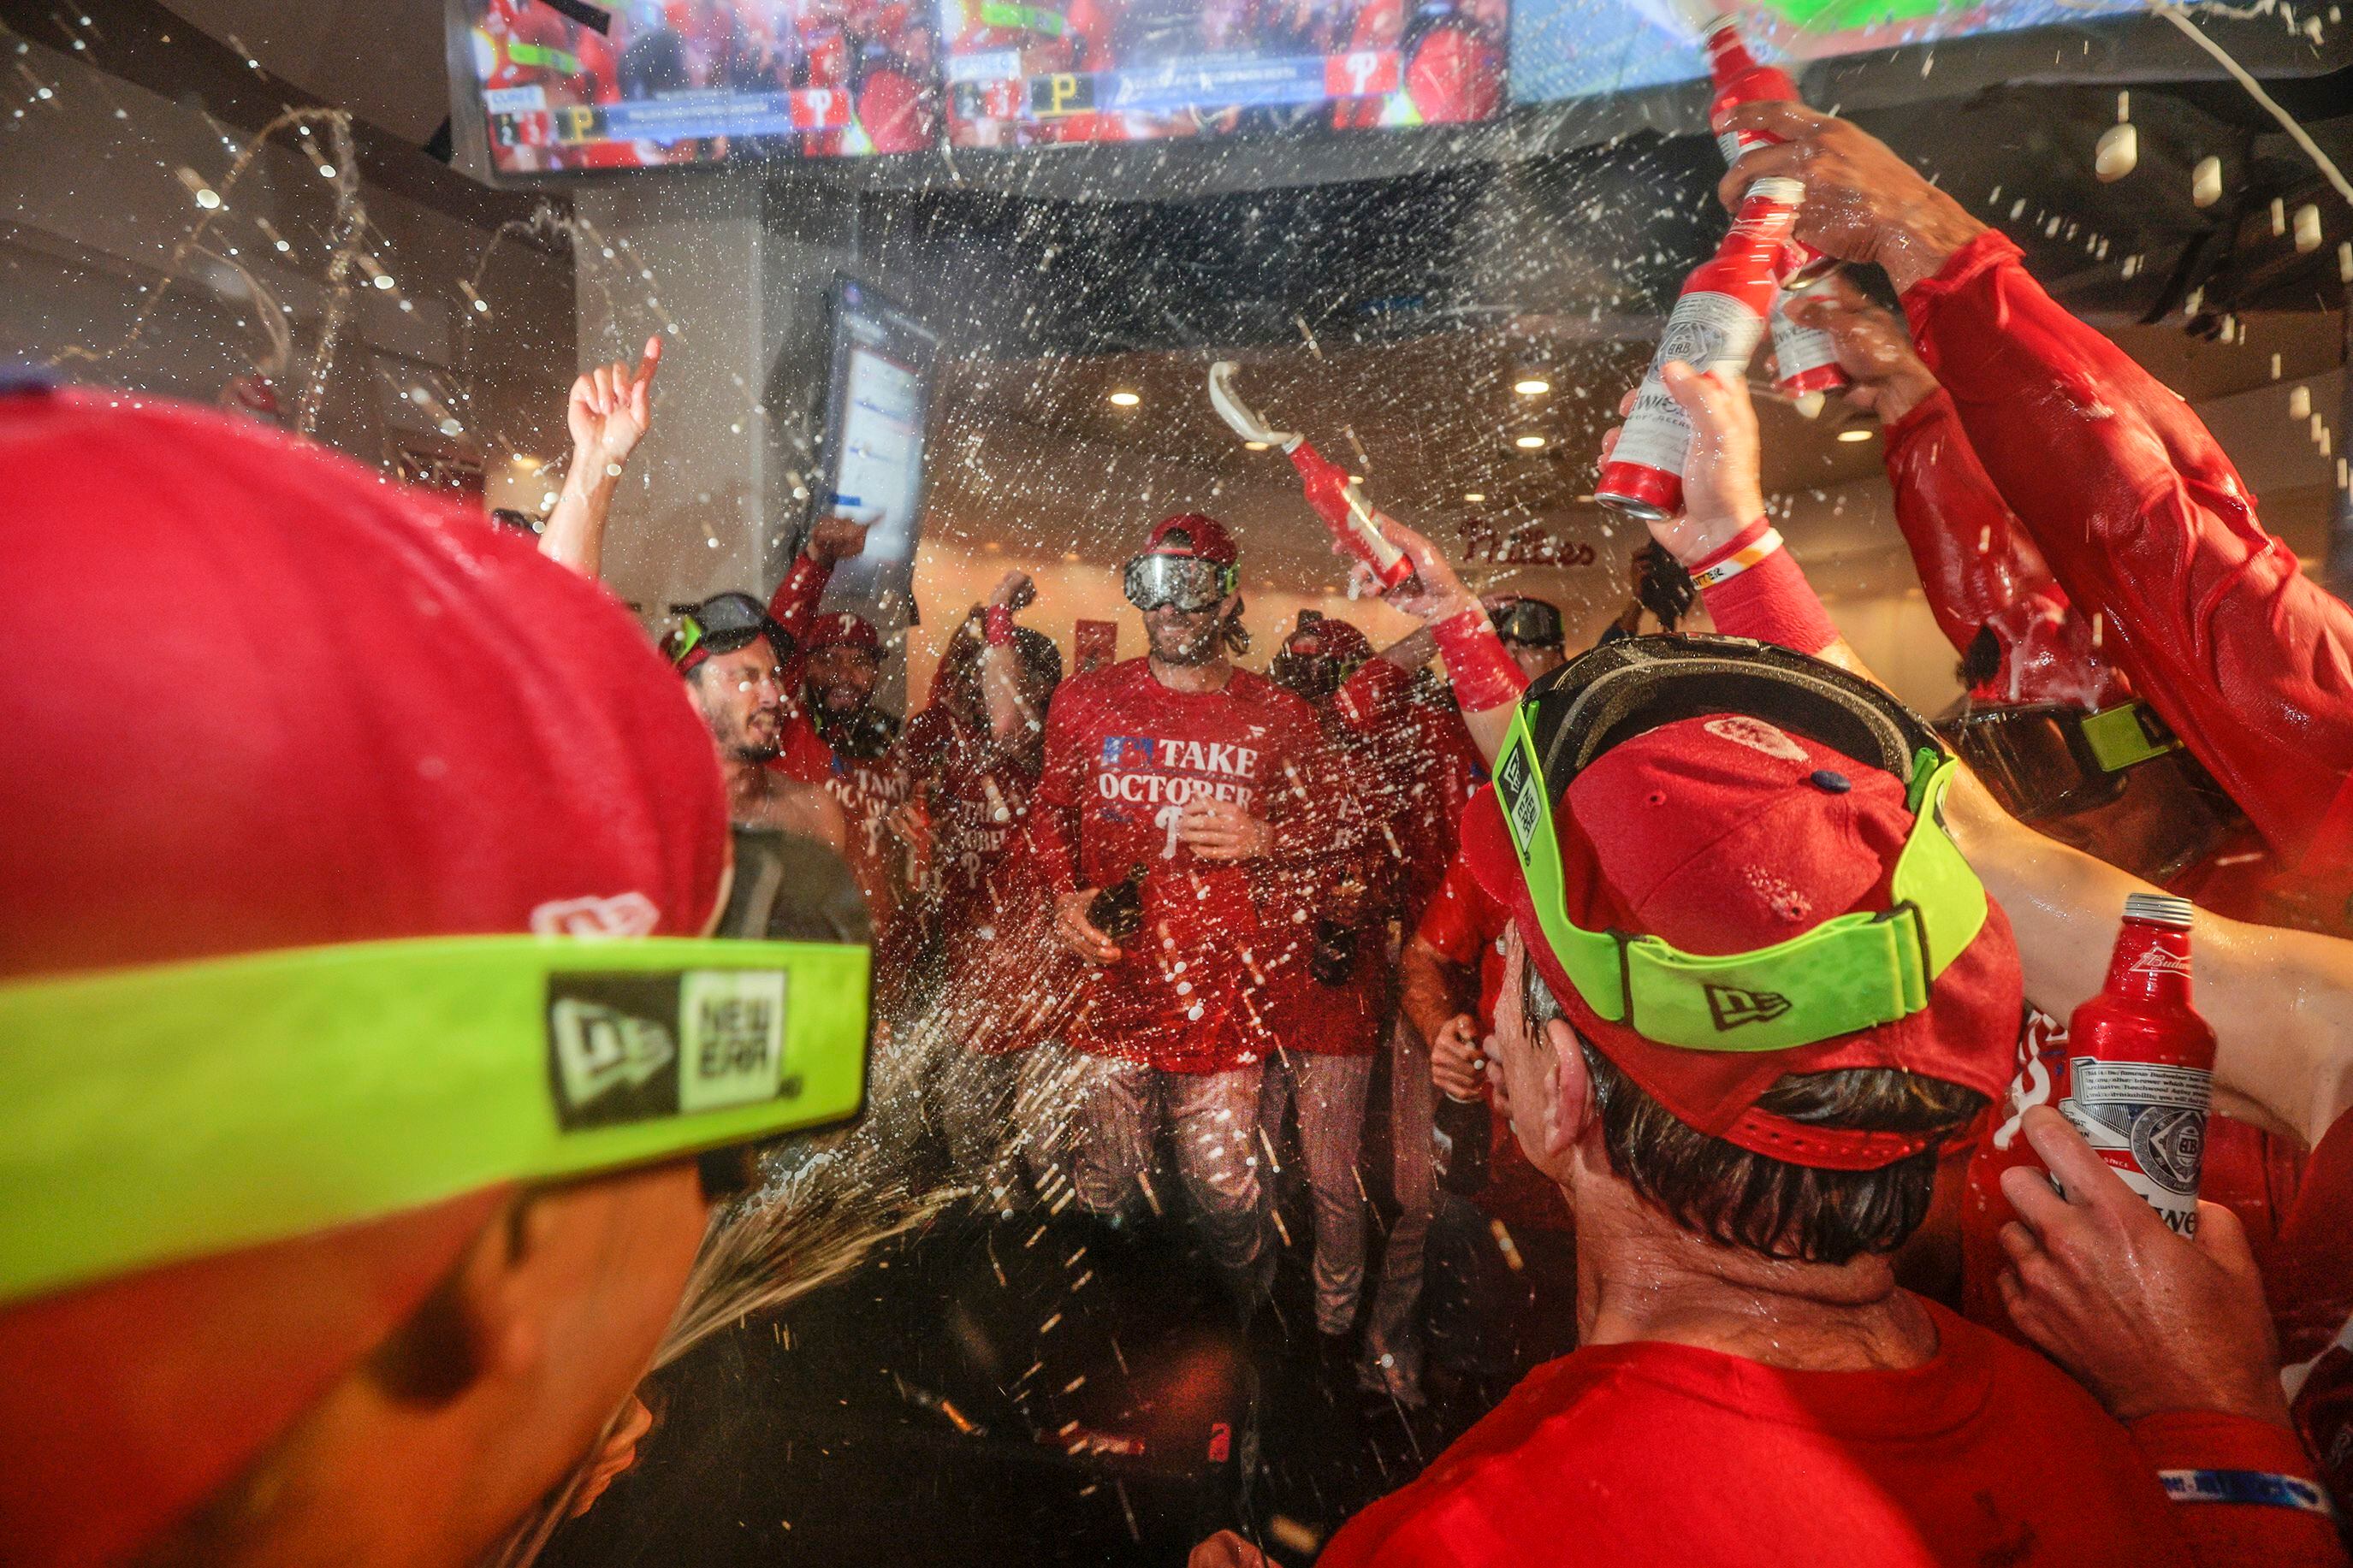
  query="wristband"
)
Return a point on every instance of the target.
[
  {"x": 1484, "y": 675},
  {"x": 1750, "y": 547},
  {"x": 996, "y": 626},
  {"x": 2261, "y": 1488},
  {"x": 1768, "y": 600}
]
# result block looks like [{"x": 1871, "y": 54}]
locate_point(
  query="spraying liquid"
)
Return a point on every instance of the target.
[
  {"x": 1339, "y": 499},
  {"x": 2141, "y": 1062}
]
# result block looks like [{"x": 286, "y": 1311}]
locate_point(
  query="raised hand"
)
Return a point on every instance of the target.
[
  {"x": 1016, "y": 593},
  {"x": 1874, "y": 348},
  {"x": 835, "y": 539},
  {"x": 1722, "y": 492},
  {"x": 610, "y": 410},
  {"x": 1863, "y": 203}
]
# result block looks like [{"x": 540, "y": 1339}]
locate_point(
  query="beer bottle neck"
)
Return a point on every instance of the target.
[
  {"x": 1727, "y": 56},
  {"x": 2151, "y": 963}
]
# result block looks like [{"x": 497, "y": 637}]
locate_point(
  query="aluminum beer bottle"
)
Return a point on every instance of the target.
[
  {"x": 2141, "y": 1062},
  {"x": 1805, "y": 358},
  {"x": 1716, "y": 323},
  {"x": 1117, "y": 911},
  {"x": 1461, "y": 1132}
]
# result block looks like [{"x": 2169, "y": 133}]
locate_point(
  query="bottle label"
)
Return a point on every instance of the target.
[
  {"x": 2147, "y": 1122},
  {"x": 1733, "y": 143},
  {"x": 1797, "y": 350},
  {"x": 1707, "y": 330}
]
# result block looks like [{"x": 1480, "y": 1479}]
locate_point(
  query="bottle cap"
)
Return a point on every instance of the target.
[
  {"x": 2159, "y": 909},
  {"x": 1779, "y": 188}
]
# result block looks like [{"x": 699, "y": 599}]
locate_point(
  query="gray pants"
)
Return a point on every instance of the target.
[
  {"x": 1392, "y": 1359},
  {"x": 1330, "y": 1093},
  {"x": 1212, "y": 1121},
  {"x": 1004, "y": 1116}
]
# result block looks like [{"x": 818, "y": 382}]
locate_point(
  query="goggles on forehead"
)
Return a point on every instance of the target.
[
  {"x": 2048, "y": 761},
  {"x": 1152, "y": 582},
  {"x": 157, "y": 1114},
  {"x": 1854, "y": 971},
  {"x": 1529, "y": 621}
]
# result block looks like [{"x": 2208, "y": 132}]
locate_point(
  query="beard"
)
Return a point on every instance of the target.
[{"x": 1184, "y": 644}]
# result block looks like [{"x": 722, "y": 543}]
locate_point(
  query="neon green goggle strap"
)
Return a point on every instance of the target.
[
  {"x": 1854, "y": 972},
  {"x": 2126, "y": 735},
  {"x": 170, "y": 1112}
]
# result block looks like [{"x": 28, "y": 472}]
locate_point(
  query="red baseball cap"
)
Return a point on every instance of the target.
[
  {"x": 1205, "y": 538},
  {"x": 1726, "y": 834},
  {"x": 842, "y": 629},
  {"x": 1331, "y": 638},
  {"x": 343, "y": 710}
]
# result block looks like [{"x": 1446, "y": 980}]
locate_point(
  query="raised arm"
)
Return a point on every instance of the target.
[
  {"x": 2141, "y": 518},
  {"x": 608, "y": 413},
  {"x": 1010, "y": 716}
]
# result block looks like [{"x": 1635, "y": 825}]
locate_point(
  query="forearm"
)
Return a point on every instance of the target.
[
  {"x": 795, "y": 602},
  {"x": 2250, "y": 662},
  {"x": 2244, "y": 1490},
  {"x": 1427, "y": 990},
  {"x": 575, "y": 533},
  {"x": 1009, "y": 716},
  {"x": 2280, "y": 1001}
]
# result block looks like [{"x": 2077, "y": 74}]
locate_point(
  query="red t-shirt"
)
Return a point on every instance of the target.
[
  {"x": 1122, "y": 754},
  {"x": 1301, "y": 1012},
  {"x": 1652, "y": 1453}
]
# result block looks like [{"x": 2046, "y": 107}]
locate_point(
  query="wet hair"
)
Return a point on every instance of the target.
[
  {"x": 1760, "y": 1204},
  {"x": 1981, "y": 660}
]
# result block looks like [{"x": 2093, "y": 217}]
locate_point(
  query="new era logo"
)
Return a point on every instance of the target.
[{"x": 1732, "y": 1006}]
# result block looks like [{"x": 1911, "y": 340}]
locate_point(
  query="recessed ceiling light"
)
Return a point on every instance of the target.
[
  {"x": 1254, "y": 446},
  {"x": 1126, "y": 399},
  {"x": 1474, "y": 497},
  {"x": 1859, "y": 433},
  {"x": 1532, "y": 387},
  {"x": 1528, "y": 443},
  {"x": 1070, "y": 555}
]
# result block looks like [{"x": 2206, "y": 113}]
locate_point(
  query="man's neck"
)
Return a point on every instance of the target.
[
  {"x": 1210, "y": 676},
  {"x": 747, "y": 785},
  {"x": 1642, "y": 1277}
]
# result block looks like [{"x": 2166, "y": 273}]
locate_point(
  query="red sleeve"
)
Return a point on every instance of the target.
[
  {"x": 2203, "y": 1453},
  {"x": 1450, "y": 926},
  {"x": 1982, "y": 574},
  {"x": 795, "y": 600},
  {"x": 1051, "y": 831},
  {"x": 2145, "y": 524}
]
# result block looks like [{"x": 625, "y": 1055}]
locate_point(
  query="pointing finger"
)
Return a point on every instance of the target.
[{"x": 651, "y": 361}]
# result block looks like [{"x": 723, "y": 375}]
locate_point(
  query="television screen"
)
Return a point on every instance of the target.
[
  {"x": 583, "y": 85},
  {"x": 1577, "y": 49},
  {"x": 1022, "y": 75},
  {"x": 877, "y": 396}
]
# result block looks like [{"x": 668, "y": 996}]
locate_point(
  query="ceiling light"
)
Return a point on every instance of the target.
[
  {"x": 1528, "y": 443},
  {"x": 1125, "y": 399},
  {"x": 1474, "y": 497},
  {"x": 1532, "y": 387},
  {"x": 1859, "y": 433},
  {"x": 1254, "y": 446}
]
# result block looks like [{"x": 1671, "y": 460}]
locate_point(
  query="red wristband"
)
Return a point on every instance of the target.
[
  {"x": 1770, "y": 602},
  {"x": 996, "y": 626},
  {"x": 1483, "y": 675}
]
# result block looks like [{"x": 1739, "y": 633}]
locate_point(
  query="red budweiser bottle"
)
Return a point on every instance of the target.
[
  {"x": 1716, "y": 323},
  {"x": 1805, "y": 359},
  {"x": 2141, "y": 1062}
]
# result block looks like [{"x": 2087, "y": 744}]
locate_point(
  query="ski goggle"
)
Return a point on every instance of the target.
[
  {"x": 153, "y": 1115},
  {"x": 1531, "y": 622},
  {"x": 2047, "y": 760},
  {"x": 722, "y": 624},
  {"x": 1856, "y": 971},
  {"x": 1190, "y": 584}
]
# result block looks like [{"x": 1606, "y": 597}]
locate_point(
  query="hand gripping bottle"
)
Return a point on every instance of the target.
[
  {"x": 1117, "y": 911},
  {"x": 1353, "y": 522},
  {"x": 1805, "y": 359},
  {"x": 2141, "y": 1062},
  {"x": 1716, "y": 323}
]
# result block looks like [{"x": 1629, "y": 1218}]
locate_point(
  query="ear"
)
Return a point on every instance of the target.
[
  {"x": 471, "y": 1327},
  {"x": 1572, "y": 1089}
]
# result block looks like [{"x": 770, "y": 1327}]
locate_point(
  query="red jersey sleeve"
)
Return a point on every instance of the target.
[
  {"x": 2243, "y": 1490},
  {"x": 1981, "y": 571},
  {"x": 1450, "y": 926},
  {"x": 796, "y": 598},
  {"x": 2145, "y": 523}
]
